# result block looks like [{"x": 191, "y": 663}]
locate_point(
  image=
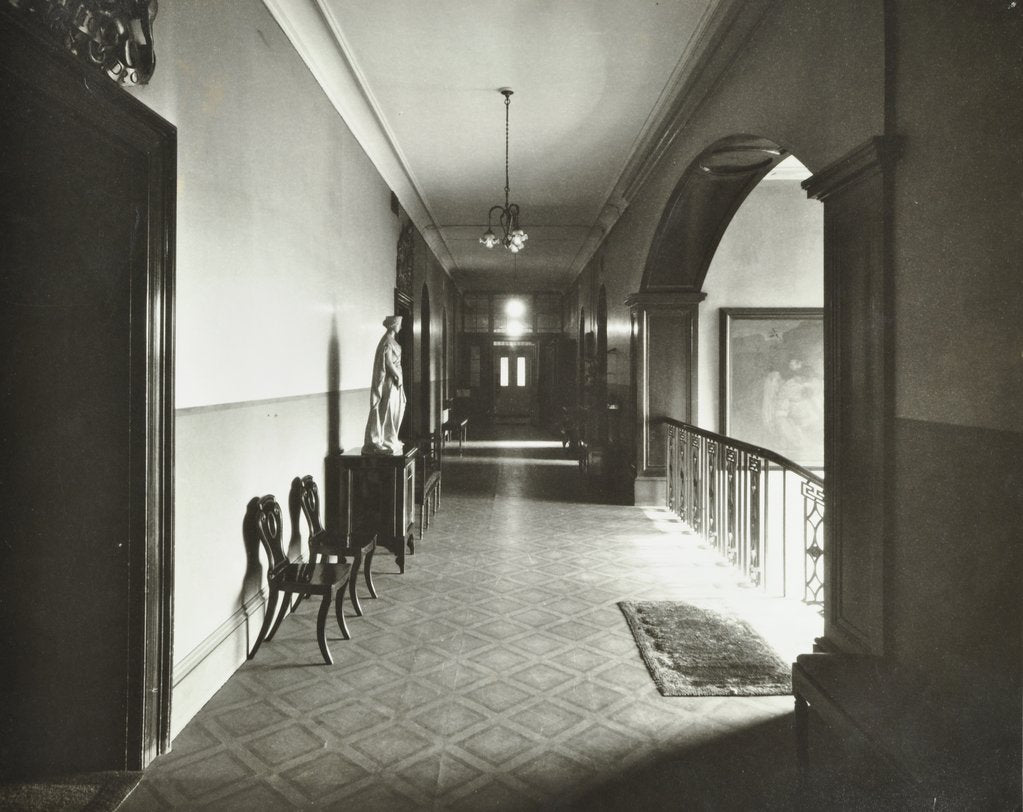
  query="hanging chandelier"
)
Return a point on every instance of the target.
[{"x": 512, "y": 236}]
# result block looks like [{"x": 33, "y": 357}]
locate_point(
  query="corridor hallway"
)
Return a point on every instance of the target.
[{"x": 497, "y": 672}]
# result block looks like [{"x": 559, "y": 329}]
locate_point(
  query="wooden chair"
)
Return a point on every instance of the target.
[
  {"x": 428, "y": 482},
  {"x": 453, "y": 423},
  {"x": 263, "y": 523},
  {"x": 305, "y": 496}
]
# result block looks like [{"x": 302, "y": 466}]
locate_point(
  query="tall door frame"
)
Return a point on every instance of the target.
[
  {"x": 71, "y": 88},
  {"x": 425, "y": 376},
  {"x": 403, "y": 308}
]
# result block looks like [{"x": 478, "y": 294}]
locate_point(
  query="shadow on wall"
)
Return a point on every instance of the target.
[
  {"x": 252, "y": 581},
  {"x": 334, "y": 391}
]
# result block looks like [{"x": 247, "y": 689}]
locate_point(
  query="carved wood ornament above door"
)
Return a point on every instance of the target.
[
  {"x": 403, "y": 267},
  {"x": 114, "y": 35}
]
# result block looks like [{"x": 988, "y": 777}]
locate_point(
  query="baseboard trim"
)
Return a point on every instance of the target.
[
  {"x": 650, "y": 490},
  {"x": 205, "y": 669},
  {"x": 219, "y": 636}
]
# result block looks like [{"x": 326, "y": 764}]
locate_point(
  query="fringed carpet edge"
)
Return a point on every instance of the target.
[{"x": 666, "y": 674}]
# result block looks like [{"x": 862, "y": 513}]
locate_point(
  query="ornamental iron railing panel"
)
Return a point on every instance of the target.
[{"x": 757, "y": 509}]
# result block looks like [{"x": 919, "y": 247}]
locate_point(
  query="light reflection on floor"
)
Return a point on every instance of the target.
[
  {"x": 513, "y": 444},
  {"x": 498, "y": 672},
  {"x": 526, "y": 461}
]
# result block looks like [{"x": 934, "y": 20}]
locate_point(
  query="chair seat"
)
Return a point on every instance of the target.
[
  {"x": 329, "y": 543},
  {"x": 312, "y": 578}
]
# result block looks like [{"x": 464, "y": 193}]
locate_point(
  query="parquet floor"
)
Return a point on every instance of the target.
[{"x": 496, "y": 673}]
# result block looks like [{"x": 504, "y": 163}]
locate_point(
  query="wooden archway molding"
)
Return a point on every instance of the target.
[{"x": 701, "y": 207}]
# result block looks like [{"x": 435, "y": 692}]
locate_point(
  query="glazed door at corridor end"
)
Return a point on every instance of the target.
[{"x": 514, "y": 381}]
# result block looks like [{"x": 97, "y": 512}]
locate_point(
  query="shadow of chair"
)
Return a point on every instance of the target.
[
  {"x": 305, "y": 496},
  {"x": 263, "y": 522}
]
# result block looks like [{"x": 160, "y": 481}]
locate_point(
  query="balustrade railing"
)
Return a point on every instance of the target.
[{"x": 761, "y": 511}]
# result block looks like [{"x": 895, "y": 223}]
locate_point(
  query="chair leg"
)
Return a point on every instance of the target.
[
  {"x": 313, "y": 558},
  {"x": 369, "y": 576},
  {"x": 271, "y": 604},
  {"x": 339, "y": 612},
  {"x": 353, "y": 578},
  {"x": 285, "y": 607},
  {"x": 321, "y": 629}
]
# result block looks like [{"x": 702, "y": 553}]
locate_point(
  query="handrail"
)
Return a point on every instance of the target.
[
  {"x": 761, "y": 511},
  {"x": 749, "y": 448}
]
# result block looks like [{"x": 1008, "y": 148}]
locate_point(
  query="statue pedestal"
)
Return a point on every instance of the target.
[{"x": 373, "y": 493}]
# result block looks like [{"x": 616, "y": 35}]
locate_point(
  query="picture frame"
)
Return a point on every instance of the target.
[{"x": 772, "y": 380}]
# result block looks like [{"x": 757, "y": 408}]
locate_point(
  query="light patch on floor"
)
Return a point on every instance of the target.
[{"x": 496, "y": 673}]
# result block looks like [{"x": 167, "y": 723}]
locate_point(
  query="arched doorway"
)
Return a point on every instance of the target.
[
  {"x": 581, "y": 377},
  {"x": 722, "y": 278},
  {"x": 856, "y": 386},
  {"x": 403, "y": 307},
  {"x": 425, "y": 378},
  {"x": 600, "y": 363},
  {"x": 602, "y": 339},
  {"x": 445, "y": 391}
]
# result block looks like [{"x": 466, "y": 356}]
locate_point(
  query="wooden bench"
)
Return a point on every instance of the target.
[
  {"x": 953, "y": 751},
  {"x": 428, "y": 480}
]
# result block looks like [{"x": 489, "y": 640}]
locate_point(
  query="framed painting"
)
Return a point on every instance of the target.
[{"x": 772, "y": 380}]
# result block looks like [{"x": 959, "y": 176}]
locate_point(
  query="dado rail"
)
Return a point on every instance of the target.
[{"x": 761, "y": 511}]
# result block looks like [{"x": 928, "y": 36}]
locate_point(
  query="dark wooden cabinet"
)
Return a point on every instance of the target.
[{"x": 374, "y": 493}]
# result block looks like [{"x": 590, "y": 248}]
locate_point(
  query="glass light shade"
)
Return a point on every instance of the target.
[
  {"x": 489, "y": 239},
  {"x": 515, "y": 308}
]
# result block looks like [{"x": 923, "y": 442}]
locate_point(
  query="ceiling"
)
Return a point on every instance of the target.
[{"x": 594, "y": 81}]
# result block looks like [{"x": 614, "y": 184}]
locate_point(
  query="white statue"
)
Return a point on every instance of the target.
[{"x": 386, "y": 395}]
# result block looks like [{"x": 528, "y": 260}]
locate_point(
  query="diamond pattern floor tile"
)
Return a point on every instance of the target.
[{"x": 496, "y": 673}]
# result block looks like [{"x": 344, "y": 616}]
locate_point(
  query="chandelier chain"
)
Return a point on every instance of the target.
[
  {"x": 507, "y": 185},
  {"x": 513, "y": 236}
]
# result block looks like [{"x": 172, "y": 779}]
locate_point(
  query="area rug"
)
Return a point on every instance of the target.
[{"x": 693, "y": 650}]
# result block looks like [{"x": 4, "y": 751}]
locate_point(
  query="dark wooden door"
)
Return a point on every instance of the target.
[
  {"x": 85, "y": 417},
  {"x": 403, "y": 308},
  {"x": 515, "y": 381}
]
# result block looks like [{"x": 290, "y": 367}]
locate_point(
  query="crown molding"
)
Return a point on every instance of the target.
[
  {"x": 719, "y": 39},
  {"x": 720, "y": 36},
  {"x": 316, "y": 37}
]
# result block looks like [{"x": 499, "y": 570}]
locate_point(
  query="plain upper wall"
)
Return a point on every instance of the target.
[
  {"x": 285, "y": 238},
  {"x": 771, "y": 255},
  {"x": 284, "y": 224},
  {"x": 957, "y": 197}
]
